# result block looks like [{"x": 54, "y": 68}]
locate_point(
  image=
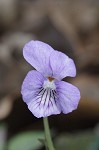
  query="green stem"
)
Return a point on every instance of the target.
[{"x": 49, "y": 142}]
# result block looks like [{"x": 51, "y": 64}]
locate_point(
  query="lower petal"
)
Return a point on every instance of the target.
[
  {"x": 31, "y": 84},
  {"x": 69, "y": 96},
  {"x": 44, "y": 104}
]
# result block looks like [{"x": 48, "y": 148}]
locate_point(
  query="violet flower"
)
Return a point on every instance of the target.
[{"x": 42, "y": 90}]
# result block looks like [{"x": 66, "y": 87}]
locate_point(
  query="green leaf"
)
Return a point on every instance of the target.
[
  {"x": 80, "y": 141},
  {"x": 42, "y": 141},
  {"x": 26, "y": 141},
  {"x": 3, "y": 135},
  {"x": 95, "y": 144}
]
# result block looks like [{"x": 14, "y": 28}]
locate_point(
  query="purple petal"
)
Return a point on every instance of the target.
[
  {"x": 44, "y": 104},
  {"x": 38, "y": 54},
  {"x": 69, "y": 96},
  {"x": 62, "y": 65},
  {"x": 41, "y": 102},
  {"x": 33, "y": 81}
]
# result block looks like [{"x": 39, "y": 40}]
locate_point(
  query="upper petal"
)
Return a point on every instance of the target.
[
  {"x": 31, "y": 84},
  {"x": 62, "y": 65},
  {"x": 37, "y": 53},
  {"x": 69, "y": 96}
]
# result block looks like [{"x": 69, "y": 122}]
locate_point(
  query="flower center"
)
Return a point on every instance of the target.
[
  {"x": 49, "y": 84},
  {"x": 50, "y": 79}
]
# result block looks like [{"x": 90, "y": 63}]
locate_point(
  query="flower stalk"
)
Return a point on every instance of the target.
[{"x": 49, "y": 143}]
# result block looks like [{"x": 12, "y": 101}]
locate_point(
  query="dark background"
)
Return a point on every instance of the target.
[{"x": 70, "y": 26}]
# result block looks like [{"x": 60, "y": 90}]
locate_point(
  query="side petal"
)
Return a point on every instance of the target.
[
  {"x": 44, "y": 104},
  {"x": 62, "y": 65},
  {"x": 38, "y": 54},
  {"x": 69, "y": 96},
  {"x": 31, "y": 84}
]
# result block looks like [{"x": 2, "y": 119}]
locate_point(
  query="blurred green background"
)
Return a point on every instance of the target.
[{"x": 71, "y": 26}]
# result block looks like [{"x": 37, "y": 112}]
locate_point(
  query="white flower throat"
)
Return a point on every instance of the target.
[
  {"x": 49, "y": 85},
  {"x": 47, "y": 94}
]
